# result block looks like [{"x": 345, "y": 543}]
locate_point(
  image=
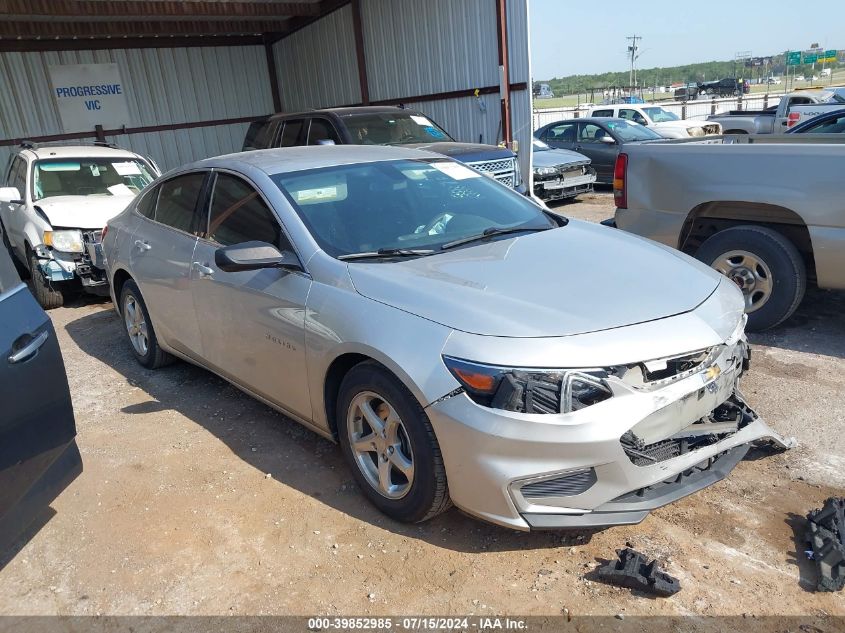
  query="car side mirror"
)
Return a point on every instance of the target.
[
  {"x": 254, "y": 256},
  {"x": 608, "y": 140},
  {"x": 10, "y": 195}
]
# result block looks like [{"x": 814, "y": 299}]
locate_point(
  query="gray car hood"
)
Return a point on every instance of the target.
[
  {"x": 572, "y": 280},
  {"x": 555, "y": 157}
]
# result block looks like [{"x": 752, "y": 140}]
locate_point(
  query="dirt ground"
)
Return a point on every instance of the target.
[{"x": 196, "y": 499}]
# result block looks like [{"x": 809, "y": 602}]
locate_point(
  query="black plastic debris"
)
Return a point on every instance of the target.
[
  {"x": 826, "y": 537},
  {"x": 634, "y": 571}
]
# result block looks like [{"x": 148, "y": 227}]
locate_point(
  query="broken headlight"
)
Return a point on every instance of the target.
[
  {"x": 530, "y": 390},
  {"x": 64, "y": 241}
]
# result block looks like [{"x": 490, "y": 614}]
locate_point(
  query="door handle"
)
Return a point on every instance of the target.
[
  {"x": 202, "y": 269},
  {"x": 31, "y": 349},
  {"x": 144, "y": 246}
]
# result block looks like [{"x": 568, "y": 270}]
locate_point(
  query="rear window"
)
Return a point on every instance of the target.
[{"x": 603, "y": 113}]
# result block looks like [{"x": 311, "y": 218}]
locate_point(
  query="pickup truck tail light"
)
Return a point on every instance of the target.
[{"x": 620, "y": 182}]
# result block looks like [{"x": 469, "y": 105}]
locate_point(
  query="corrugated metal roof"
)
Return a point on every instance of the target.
[{"x": 163, "y": 86}]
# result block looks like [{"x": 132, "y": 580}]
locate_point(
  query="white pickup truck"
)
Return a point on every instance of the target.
[
  {"x": 53, "y": 206},
  {"x": 665, "y": 123},
  {"x": 767, "y": 211},
  {"x": 790, "y": 111}
]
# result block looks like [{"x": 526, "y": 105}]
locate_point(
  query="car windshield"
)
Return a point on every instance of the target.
[
  {"x": 631, "y": 131},
  {"x": 659, "y": 115},
  {"x": 539, "y": 146},
  {"x": 89, "y": 177},
  {"x": 393, "y": 128},
  {"x": 404, "y": 204},
  {"x": 837, "y": 95}
]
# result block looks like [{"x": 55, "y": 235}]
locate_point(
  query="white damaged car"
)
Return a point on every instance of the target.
[{"x": 53, "y": 206}]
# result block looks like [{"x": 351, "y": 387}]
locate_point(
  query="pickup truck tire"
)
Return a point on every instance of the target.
[
  {"x": 47, "y": 295},
  {"x": 390, "y": 446},
  {"x": 765, "y": 265},
  {"x": 139, "y": 328}
]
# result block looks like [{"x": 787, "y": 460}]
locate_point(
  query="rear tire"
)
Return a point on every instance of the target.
[
  {"x": 765, "y": 265},
  {"x": 369, "y": 391},
  {"x": 139, "y": 328},
  {"x": 47, "y": 295}
]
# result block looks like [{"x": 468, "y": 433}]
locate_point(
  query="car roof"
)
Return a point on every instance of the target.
[
  {"x": 77, "y": 151},
  {"x": 290, "y": 159},
  {"x": 589, "y": 119},
  {"x": 344, "y": 111}
]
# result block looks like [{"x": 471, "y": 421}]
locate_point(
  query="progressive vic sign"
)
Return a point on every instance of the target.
[{"x": 88, "y": 95}]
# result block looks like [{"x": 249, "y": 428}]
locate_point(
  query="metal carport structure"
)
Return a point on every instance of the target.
[{"x": 196, "y": 73}]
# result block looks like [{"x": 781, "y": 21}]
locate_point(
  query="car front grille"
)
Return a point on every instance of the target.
[
  {"x": 712, "y": 128},
  {"x": 502, "y": 170},
  {"x": 568, "y": 485}
]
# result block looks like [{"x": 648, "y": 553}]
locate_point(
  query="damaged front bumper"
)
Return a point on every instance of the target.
[
  {"x": 87, "y": 266},
  {"x": 609, "y": 464}
]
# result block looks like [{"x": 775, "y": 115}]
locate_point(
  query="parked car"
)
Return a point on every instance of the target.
[
  {"x": 764, "y": 210},
  {"x": 402, "y": 304},
  {"x": 790, "y": 110},
  {"x": 38, "y": 452},
  {"x": 829, "y": 123},
  {"x": 560, "y": 173},
  {"x": 600, "y": 140},
  {"x": 382, "y": 125},
  {"x": 686, "y": 93},
  {"x": 55, "y": 202},
  {"x": 727, "y": 87},
  {"x": 666, "y": 124}
]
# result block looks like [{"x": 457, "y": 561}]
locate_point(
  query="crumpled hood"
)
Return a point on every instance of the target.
[
  {"x": 83, "y": 212},
  {"x": 555, "y": 157},
  {"x": 572, "y": 280},
  {"x": 465, "y": 152}
]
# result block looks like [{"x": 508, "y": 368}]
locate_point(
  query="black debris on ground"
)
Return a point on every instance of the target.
[
  {"x": 634, "y": 571},
  {"x": 826, "y": 538}
]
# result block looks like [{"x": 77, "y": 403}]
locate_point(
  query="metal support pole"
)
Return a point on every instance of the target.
[{"x": 504, "y": 73}]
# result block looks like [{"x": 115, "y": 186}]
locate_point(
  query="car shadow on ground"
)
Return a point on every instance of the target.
[
  {"x": 807, "y": 575},
  {"x": 817, "y": 327},
  {"x": 278, "y": 446}
]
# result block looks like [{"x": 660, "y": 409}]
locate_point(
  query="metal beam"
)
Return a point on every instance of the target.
[
  {"x": 505, "y": 92},
  {"x": 99, "y": 43},
  {"x": 273, "y": 76},
  {"x": 135, "y": 28},
  {"x": 359, "y": 52},
  {"x": 296, "y": 24},
  {"x": 154, "y": 9}
]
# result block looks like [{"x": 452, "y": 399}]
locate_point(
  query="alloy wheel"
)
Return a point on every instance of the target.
[
  {"x": 380, "y": 445},
  {"x": 136, "y": 325}
]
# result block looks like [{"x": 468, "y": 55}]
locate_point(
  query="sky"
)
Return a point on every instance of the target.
[{"x": 572, "y": 37}]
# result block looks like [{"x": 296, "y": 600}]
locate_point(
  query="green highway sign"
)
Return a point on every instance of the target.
[
  {"x": 793, "y": 58},
  {"x": 810, "y": 58},
  {"x": 830, "y": 57}
]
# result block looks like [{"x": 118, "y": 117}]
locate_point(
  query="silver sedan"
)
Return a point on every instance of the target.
[{"x": 463, "y": 345}]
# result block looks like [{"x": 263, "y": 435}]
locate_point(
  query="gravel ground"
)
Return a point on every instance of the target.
[{"x": 196, "y": 499}]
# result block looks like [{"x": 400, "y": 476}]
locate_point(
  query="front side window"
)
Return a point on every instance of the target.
[
  {"x": 177, "y": 201},
  {"x": 404, "y": 204},
  {"x": 147, "y": 204},
  {"x": 239, "y": 214},
  {"x": 391, "y": 128},
  {"x": 632, "y": 115},
  {"x": 592, "y": 133},
  {"x": 322, "y": 130},
  {"x": 17, "y": 178},
  {"x": 89, "y": 177}
]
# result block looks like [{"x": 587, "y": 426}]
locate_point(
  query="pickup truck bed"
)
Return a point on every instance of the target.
[{"x": 766, "y": 210}]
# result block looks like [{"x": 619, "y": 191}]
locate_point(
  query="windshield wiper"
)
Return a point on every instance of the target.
[
  {"x": 491, "y": 232},
  {"x": 388, "y": 252}
]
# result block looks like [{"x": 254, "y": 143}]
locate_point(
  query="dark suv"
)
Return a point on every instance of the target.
[{"x": 381, "y": 125}]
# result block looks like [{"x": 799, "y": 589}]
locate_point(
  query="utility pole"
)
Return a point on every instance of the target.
[{"x": 632, "y": 51}]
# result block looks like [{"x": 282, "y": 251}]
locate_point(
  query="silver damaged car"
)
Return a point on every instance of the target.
[{"x": 462, "y": 345}]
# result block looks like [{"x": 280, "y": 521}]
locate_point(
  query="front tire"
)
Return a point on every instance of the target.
[
  {"x": 139, "y": 328},
  {"x": 765, "y": 265},
  {"x": 48, "y": 296},
  {"x": 388, "y": 442}
]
